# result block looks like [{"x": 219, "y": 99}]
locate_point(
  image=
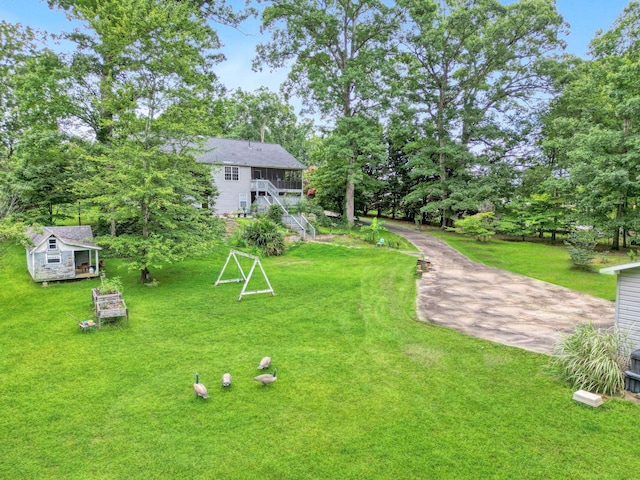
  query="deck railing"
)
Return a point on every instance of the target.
[{"x": 296, "y": 222}]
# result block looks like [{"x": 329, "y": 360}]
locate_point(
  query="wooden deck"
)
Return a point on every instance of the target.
[{"x": 81, "y": 274}]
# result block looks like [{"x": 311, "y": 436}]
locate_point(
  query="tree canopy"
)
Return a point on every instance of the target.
[
  {"x": 431, "y": 110},
  {"x": 339, "y": 55}
]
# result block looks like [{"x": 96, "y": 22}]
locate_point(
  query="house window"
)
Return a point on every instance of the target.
[
  {"x": 243, "y": 200},
  {"x": 53, "y": 259},
  {"x": 53, "y": 244},
  {"x": 231, "y": 173}
]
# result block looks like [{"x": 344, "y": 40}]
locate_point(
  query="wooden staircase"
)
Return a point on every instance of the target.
[{"x": 296, "y": 222}]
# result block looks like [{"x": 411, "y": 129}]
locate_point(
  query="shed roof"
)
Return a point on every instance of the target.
[
  {"x": 225, "y": 151},
  {"x": 81, "y": 236},
  {"x": 618, "y": 268}
]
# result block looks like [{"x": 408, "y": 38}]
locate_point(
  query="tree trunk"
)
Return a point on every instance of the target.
[
  {"x": 349, "y": 202},
  {"x": 616, "y": 232},
  {"x": 615, "y": 243},
  {"x": 104, "y": 132},
  {"x": 145, "y": 275}
]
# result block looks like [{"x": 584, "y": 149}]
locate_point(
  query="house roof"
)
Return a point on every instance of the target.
[
  {"x": 225, "y": 151},
  {"x": 617, "y": 268},
  {"x": 80, "y": 236}
]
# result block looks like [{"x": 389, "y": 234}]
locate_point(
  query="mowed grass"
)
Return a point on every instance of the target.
[{"x": 363, "y": 390}]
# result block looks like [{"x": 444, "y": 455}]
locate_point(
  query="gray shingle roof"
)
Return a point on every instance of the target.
[
  {"x": 243, "y": 153},
  {"x": 81, "y": 235}
]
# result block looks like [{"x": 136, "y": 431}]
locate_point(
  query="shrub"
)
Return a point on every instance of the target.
[
  {"x": 515, "y": 226},
  {"x": 110, "y": 285},
  {"x": 582, "y": 247},
  {"x": 373, "y": 230},
  {"x": 265, "y": 235},
  {"x": 479, "y": 226},
  {"x": 274, "y": 214},
  {"x": 593, "y": 359}
]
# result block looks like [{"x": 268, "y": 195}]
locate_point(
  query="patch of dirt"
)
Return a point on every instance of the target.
[
  {"x": 230, "y": 226},
  {"x": 324, "y": 238}
]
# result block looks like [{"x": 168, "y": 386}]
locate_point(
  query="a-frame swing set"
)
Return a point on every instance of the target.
[{"x": 244, "y": 278}]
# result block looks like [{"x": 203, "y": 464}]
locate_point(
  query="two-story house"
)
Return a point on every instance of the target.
[{"x": 246, "y": 173}]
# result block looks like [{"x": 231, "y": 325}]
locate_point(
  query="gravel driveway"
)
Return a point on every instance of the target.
[{"x": 497, "y": 305}]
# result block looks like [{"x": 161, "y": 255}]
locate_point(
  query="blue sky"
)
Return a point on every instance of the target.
[{"x": 584, "y": 16}]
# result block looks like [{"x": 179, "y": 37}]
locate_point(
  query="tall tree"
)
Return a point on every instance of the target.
[
  {"x": 593, "y": 127},
  {"x": 31, "y": 104},
  {"x": 45, "y": 172},
  {"x": 361, "y": 139},
  {"x": 472, "y": 68},
  {"x": 144, "y": 85},
  {"x": 266, "y": 116},
  {"x": 339, "y": 54},
  {"x": 402, "y": 133}
]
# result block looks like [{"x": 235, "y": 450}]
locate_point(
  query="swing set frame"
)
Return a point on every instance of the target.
[{"x": 244, "y": 278}]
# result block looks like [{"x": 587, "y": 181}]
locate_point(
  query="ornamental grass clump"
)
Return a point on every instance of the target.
[
  {"x": 265, "y": 235},
  {"x": 593, "y": 359}
]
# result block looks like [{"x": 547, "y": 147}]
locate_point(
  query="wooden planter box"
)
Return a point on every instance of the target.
[
  {"x": 109, "y": 306},
  {"x": 96, "y": 297}
]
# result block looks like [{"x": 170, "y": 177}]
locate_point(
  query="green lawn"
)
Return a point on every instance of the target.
[{"x": 363, "y": 390}]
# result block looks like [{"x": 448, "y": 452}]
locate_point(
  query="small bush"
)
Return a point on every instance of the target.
[
  {"x": 373, "y": 230},
  {"x": 480, "y": 226},
  {"x": 391, "y": 243},
  {"x": 265, "y": 235},
  {"x": 274, "y": 214},
  {"x": 592, "y": 359},
  {"x": 110, "y": 285},
  {"x": 582, "y": 247}
]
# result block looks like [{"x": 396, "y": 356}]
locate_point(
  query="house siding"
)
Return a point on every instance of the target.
[
  {"x": 229, "y": 191},
  {"x": 42, "y": 271},
  {"x": 628, "y": 305}
]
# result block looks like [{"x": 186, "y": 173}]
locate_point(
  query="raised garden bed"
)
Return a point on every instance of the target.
[{"x": 109, "y": 306}]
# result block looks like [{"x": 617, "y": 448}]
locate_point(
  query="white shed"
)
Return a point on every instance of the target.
[
  {"x": 627, "y": 316},
  {"x": 62, "y": 253}
]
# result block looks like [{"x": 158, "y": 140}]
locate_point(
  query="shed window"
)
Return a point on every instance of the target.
[
  {"x": 231, "y": 173},
  {"x": 53, "y": 259},
  {"x": 53, "y": 244}
]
